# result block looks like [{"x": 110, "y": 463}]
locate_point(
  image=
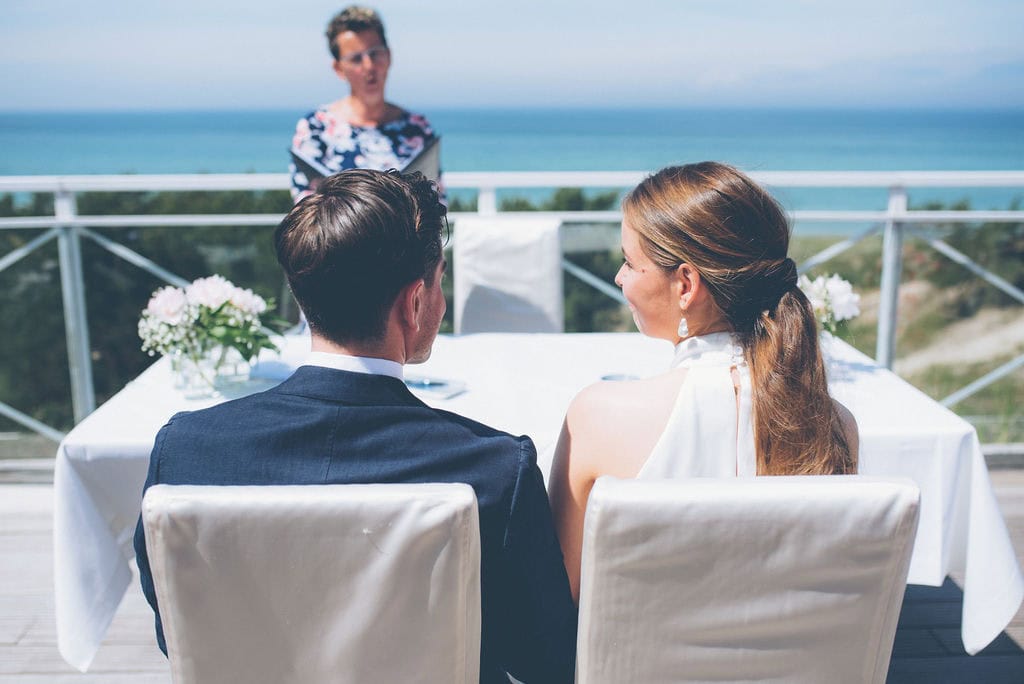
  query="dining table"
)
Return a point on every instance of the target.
[{"x": 522, "y": 383}]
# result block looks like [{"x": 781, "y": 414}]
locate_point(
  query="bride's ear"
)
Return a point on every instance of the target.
[{"x": 688, "y": 284}]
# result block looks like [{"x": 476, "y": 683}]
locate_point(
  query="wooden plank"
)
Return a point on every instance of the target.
[
  {"x": 112, "y": 658},
  {"x": 28, "y": 632},
  {"x": 930, "y": 613},
  {"x": 977, "y": 670},
  {"x": 1001, "y": 645},
  {"x": 88, "y": 678},
  {"x": 949, "y": 591},
  {"x": 917, "y": 642},
  {"x": 21, "y": 615}
]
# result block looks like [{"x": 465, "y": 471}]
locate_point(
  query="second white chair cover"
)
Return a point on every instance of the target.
[
  {"x": 317, "y": 583},
  {"x": 508, "y": 275},
  {"x": 780, "y": 579}
]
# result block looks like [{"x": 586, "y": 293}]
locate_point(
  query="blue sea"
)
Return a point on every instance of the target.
[{"x": 549, "y": 139}]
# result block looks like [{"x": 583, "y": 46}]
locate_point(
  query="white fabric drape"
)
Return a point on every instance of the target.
[
  {"x": 508, "y": 275},
  {"x": 317, "y": 583},
  {"x": 781, "y": 579}
]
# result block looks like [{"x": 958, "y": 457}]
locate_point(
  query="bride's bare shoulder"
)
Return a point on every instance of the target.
[
  {"x": 608, "y": 405},
  {"x": 850, "y": 429}
]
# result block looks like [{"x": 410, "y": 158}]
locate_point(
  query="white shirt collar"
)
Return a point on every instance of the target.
[
  {"x": 710, "y": 347},
  {"x": 355, "y": 364}
]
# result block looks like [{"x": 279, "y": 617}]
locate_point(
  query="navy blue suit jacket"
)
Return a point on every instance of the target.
[{"x": 325, "y": 426}]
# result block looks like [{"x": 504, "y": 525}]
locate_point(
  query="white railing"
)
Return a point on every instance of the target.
[{"x": 67, "y": 227}]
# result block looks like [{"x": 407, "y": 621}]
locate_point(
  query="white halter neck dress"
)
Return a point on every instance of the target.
[{"x": 705, "y": 437}]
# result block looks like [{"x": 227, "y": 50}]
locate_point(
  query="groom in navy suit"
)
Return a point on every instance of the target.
[{"x": 363, "y": 257}]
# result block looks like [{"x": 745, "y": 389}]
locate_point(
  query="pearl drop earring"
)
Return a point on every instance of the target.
[{"x": 684, "y": 329}]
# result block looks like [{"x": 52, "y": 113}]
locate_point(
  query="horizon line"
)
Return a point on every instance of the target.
[{"x": 1008, "y": 109}]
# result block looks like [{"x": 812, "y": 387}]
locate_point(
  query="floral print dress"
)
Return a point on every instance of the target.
[{"x": 339, "y": 145}]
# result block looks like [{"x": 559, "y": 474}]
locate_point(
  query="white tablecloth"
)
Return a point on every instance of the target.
[{"x": 522, "y": 383}]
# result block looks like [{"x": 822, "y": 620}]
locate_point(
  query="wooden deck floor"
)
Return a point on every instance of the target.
[{"x": 927, "y": 645}]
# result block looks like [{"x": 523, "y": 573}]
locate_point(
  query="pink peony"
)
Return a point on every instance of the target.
[
  {"x": 167, "y": 304},
  {"x": 248, "y": 301},
  {"x": 210, "y": 292}
]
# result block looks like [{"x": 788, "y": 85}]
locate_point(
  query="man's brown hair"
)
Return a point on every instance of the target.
[{"x": 349, "y": 249}]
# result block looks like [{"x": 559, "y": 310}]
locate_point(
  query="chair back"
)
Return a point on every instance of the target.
[
  {"x": 317, "y": 583},
  {"x": 508, "y": 275},
  {"x": 778, "y": 579}
]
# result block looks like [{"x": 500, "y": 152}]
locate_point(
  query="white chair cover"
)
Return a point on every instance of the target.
[
  {"x": 317, "y": 583},
  {"x": 779, "y": 579},
  {"x": 508, "y": 275}
]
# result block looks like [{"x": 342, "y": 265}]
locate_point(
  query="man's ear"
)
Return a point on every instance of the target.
[{"x": 410, "y": 302}]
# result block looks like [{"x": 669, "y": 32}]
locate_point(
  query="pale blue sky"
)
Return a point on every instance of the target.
[{"x": 150, "y": 54}]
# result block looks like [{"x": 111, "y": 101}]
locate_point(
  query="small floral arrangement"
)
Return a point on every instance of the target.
[
  {"x": 833, "y": 300},
  {"x": 211, "y": 314}
]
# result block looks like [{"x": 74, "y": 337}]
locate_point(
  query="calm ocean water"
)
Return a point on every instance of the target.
[{"x": 222, "y": 141}]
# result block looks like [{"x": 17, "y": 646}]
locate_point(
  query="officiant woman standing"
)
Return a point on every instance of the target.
[{"x": 362, "y": 130}]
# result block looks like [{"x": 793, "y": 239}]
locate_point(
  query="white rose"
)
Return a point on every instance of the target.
[
  {"x": 845, "y": 302},
  {"x": 817, "y": 293}
]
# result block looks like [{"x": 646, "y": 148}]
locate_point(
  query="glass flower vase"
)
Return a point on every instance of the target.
[
  {"x": 231, "y": 367},
  {"x": 196, "y": 375}
]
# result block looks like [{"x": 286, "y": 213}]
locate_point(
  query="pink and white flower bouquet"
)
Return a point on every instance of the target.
[{"x": 206, "y": 321}]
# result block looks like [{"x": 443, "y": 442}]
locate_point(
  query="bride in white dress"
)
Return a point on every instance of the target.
[{"x": 705, "y": 268}]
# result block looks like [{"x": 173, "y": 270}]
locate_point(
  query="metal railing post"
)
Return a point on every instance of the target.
[
  {"x": 892, "y": 261},
  {"x": 487, "y": 201},
  {"x": 72, "y": 286}
]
